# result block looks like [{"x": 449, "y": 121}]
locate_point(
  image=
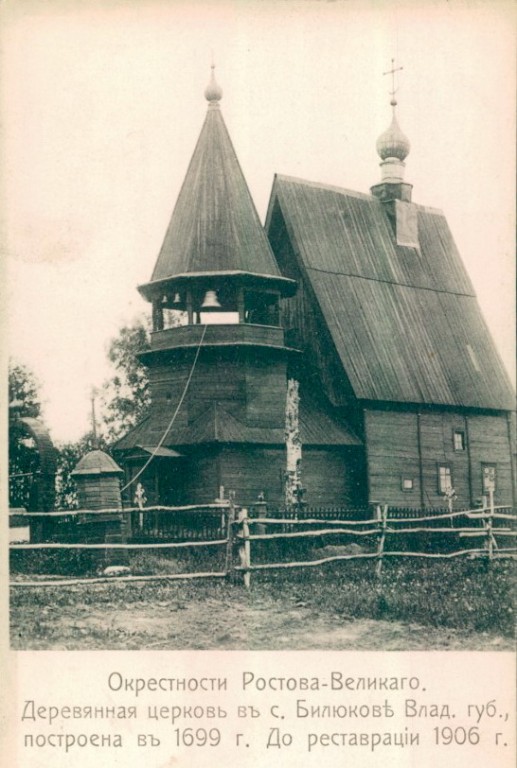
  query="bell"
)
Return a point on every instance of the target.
[
  {"x": 165, "y": 299},
  {"x": 210, "y": 302},
  {"x": 176, "y": 299}
]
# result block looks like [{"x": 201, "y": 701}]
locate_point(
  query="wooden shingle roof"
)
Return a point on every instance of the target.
[
  {"x": 216, "y": 425},
  {"x": 96, "y": 462},
  {"x": 404, "y": 321},
  {"x": 214, "y": 227}
]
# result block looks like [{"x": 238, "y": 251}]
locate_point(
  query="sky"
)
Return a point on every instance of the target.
[{"x": 102, "y": 104}]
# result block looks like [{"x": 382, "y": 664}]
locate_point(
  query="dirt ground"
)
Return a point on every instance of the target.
[{"x": 233, "y": 620}]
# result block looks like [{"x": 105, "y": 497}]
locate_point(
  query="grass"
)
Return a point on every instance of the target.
[{"x": 467, "y": 594}]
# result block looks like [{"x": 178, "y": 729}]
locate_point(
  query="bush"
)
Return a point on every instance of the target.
[{"x": 62, "y": 562}]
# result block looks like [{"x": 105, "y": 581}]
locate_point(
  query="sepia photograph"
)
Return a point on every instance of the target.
[{"x": 259, "y": 270}]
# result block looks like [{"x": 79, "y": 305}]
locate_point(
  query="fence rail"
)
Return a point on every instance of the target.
[
  {"x": 239, "y": 529},
  {"x": 149, "y": 524},
  {"x": 193, "y": 508}
]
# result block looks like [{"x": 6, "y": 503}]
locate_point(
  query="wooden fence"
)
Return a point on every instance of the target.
[
  {"x": 488, "y": 526},
  {"x": 155, "y": 529},
  {"x": 237, "y": 532}
]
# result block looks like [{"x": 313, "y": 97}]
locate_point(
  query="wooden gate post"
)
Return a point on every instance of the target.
[{"x": 382, "y": 538}]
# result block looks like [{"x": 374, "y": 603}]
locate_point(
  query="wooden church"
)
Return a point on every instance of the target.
[{"x": 361, "y": 301}]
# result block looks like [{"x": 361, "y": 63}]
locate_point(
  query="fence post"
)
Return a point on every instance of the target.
[
  {"x": 382, "y": 516},
  {"x": 230, "y": 519},
  {"x": 140, "y": 500},
  {"x": 244, "y": 546},
  {"x": 260, "y": 510},
  {"x": 489, "y": 525}
]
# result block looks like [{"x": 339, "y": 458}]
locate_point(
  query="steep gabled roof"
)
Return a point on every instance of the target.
[
  {"x": 214, "y": 226},
  {"x": 404, "y": 321}
]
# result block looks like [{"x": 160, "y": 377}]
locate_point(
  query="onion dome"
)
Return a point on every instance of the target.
[
  {"x": 393, "y": 143},
  {"x": 213, "y": 91}
]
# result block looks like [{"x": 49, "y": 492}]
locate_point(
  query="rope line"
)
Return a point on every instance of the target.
[{"x": 171, "y": 422}]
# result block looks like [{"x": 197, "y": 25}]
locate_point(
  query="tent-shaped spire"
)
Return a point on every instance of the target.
[{"x": 214, "y": 227}]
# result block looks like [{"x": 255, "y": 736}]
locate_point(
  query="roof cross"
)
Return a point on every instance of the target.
[{"x": 392, "y": 72}]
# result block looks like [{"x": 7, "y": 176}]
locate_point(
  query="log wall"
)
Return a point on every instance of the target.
[
  {"x": 411, "y": 445},
  {"x": 249, "y": 384},
  {"x": 332, "y": 476}
]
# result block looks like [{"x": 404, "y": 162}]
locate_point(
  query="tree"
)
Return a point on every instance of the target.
[
  {"x": 24, "y": 461},
  {"x": 122, "y": 402},
  {"x": 125, "y": 399},
  {"x": 24, "y": 390}
]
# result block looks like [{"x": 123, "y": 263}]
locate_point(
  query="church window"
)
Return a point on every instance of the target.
[
  {"x": 444, "y": 478},
  {"x": 459, "y": 440},
  {"x": 488, "y": 472}
]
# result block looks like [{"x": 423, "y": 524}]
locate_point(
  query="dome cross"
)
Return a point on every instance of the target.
[{"x": 394, "y": 90}]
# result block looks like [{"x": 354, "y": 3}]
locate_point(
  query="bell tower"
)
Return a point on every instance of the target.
[{"x": 218, "y": 360}]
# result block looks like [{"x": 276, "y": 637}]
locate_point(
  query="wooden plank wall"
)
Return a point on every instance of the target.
[
  {"x": 396, "y": 440},
  {"x": 333, "y": 476},
  {"x": 101, "y": 492},
  {"x": 167, "y": 382},
  {"x": 231, "y": 333},
  {"x": 438, "y": 448},
  {"x": 330, "y": 476},
  {"x": 148, "y": 480},
  {"x": 250, "y": 470},
  {"x": 218, "y": 378},
  {"x": 250, "y": 384},
  {"x": 392, "y": 452},
  {"x": 266, "y": 389},
  {"x": 490, "y": 443},
  {"x": 172, "y": 475},
  {"x": 215, "y": 379},
  {"x": 202, "y": 478}
]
